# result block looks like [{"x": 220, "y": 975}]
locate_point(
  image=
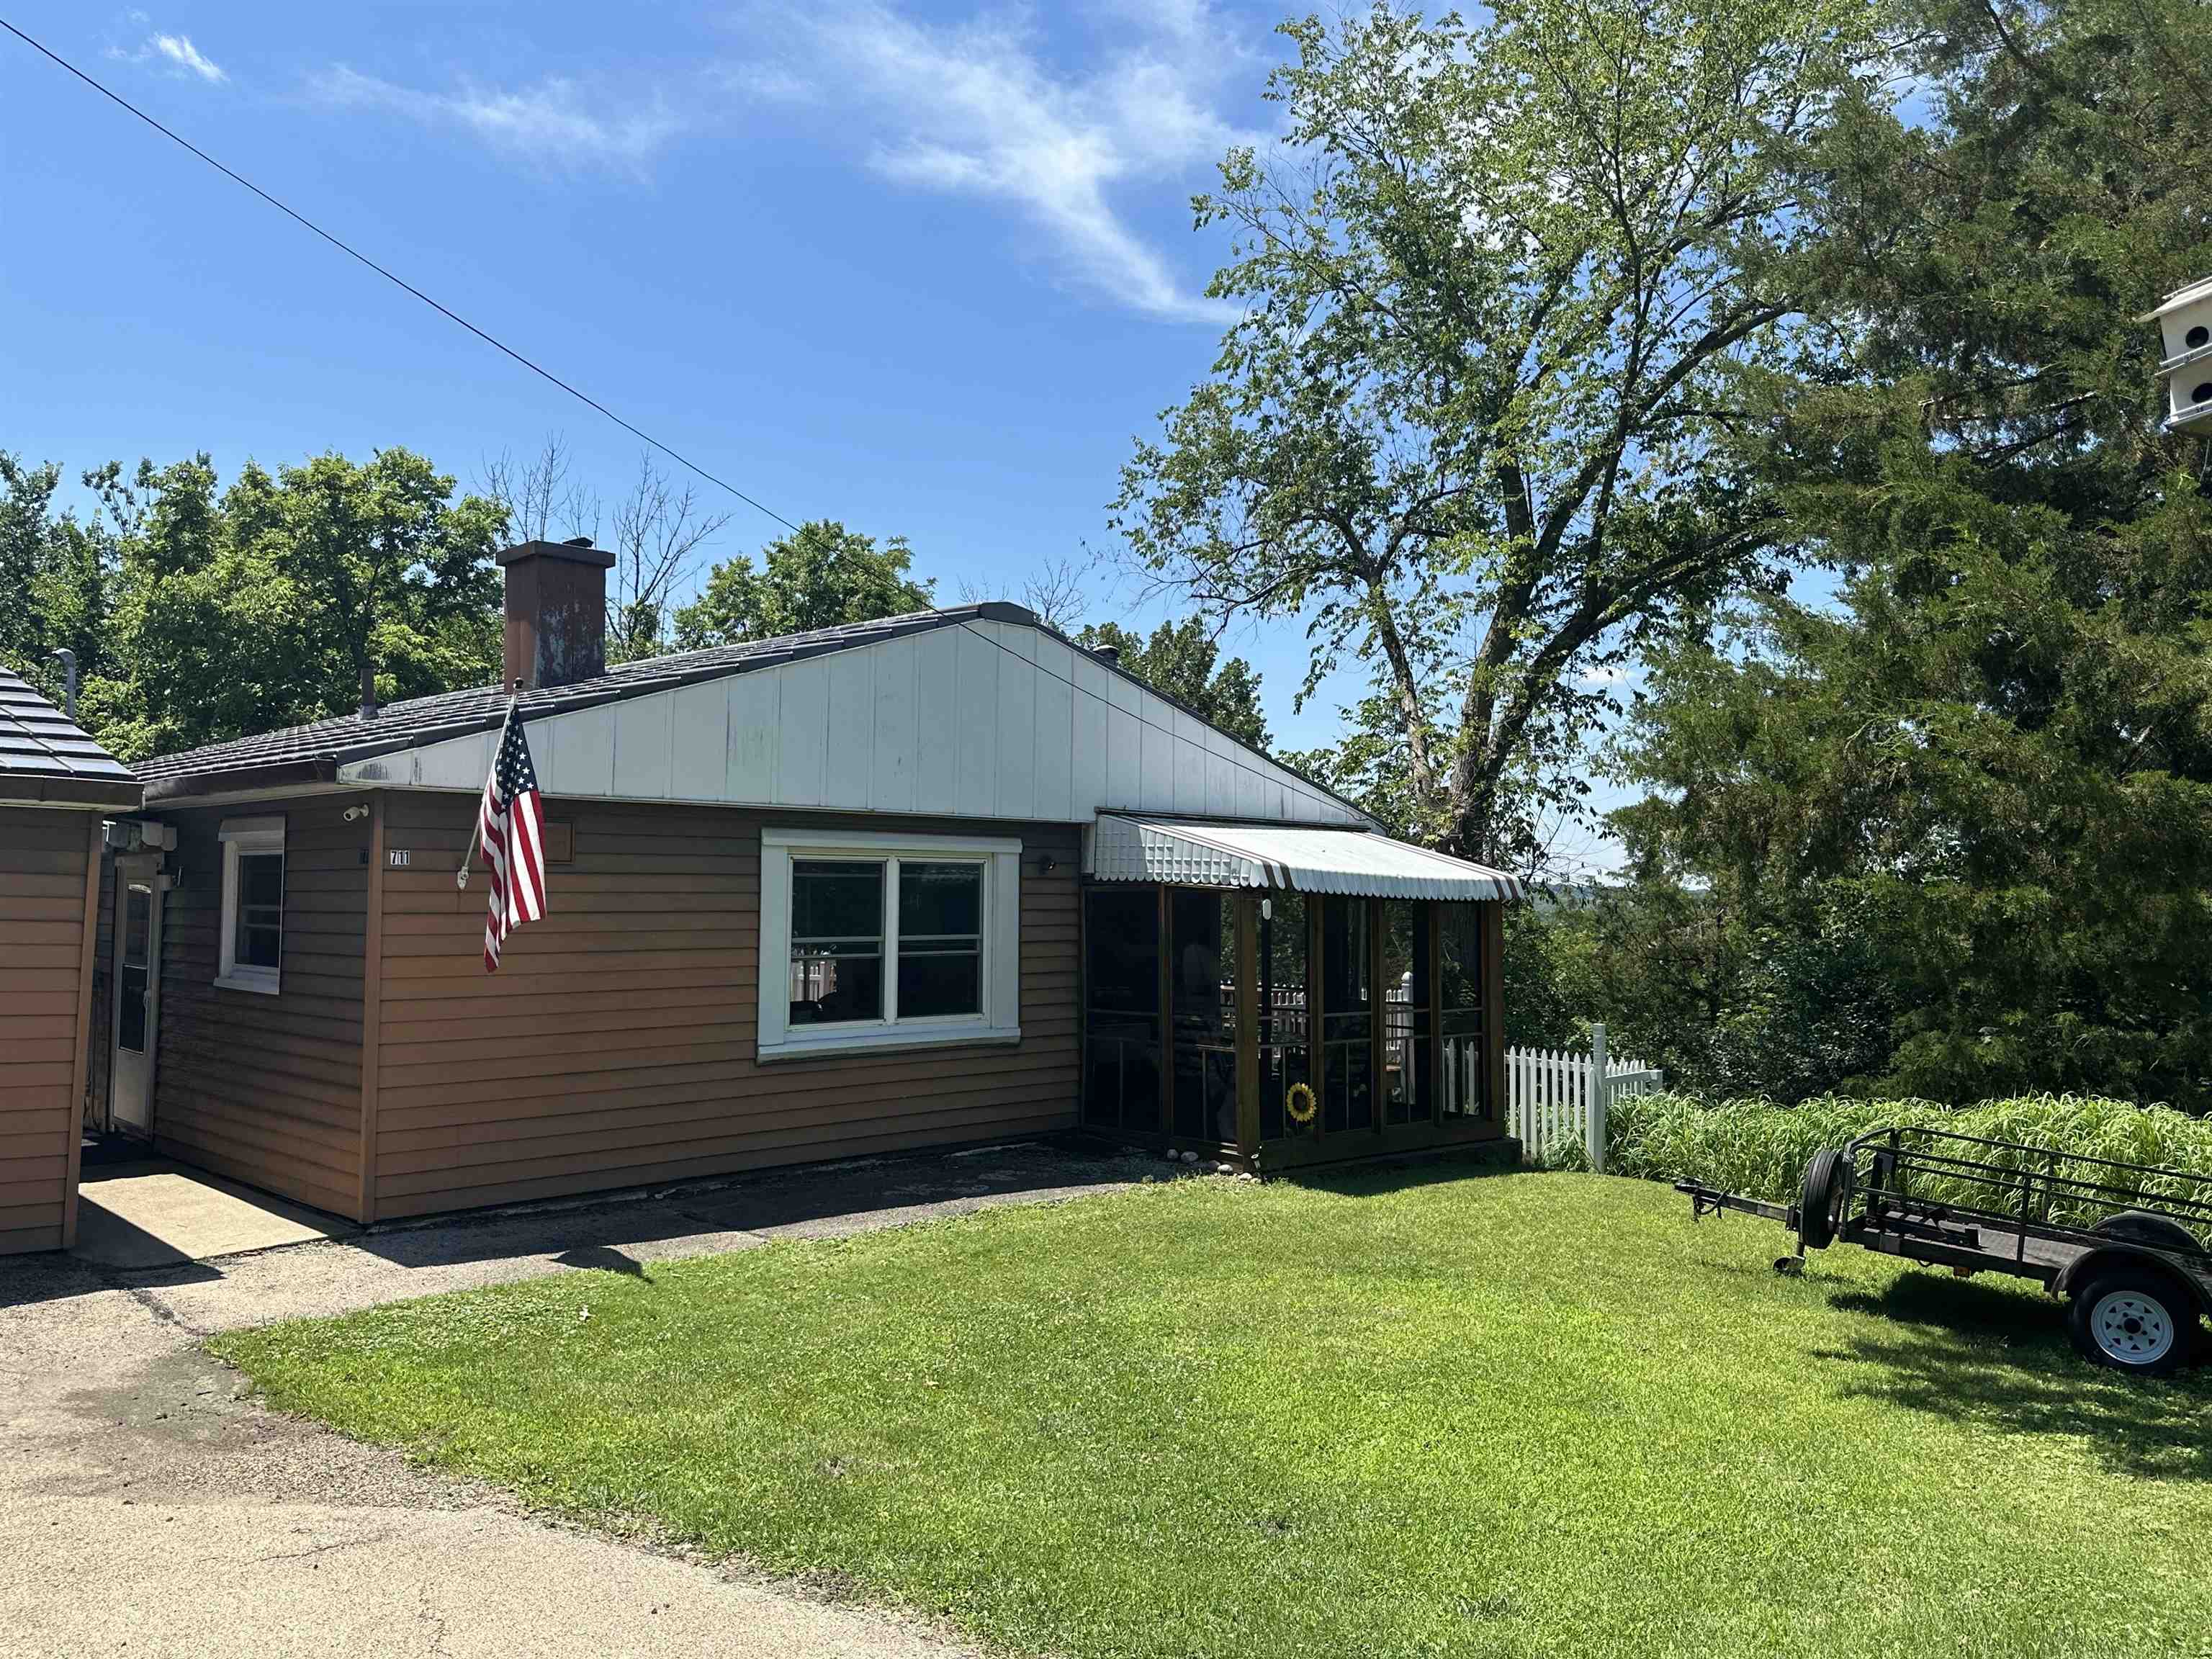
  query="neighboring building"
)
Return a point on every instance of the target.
[
  {"x": 945, "y": 878},
  {"x": 55, "y": 784}
]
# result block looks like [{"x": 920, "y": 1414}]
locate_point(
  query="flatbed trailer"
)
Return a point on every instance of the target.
[{"x": 2124, "y": 1244}]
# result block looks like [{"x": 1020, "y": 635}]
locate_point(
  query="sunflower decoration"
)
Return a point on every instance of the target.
[{"x": 1299, "y": 1102}]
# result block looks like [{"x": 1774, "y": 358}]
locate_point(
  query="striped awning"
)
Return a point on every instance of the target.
[{"x": 1181, "y": 852}]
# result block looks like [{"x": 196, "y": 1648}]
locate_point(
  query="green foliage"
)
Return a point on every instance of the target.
[
  {"x": 1536, "y": 1415},
  {"x": 59, "y": 575},
  {"x": 1949, "y": 835},
  {"x": 1484, "y": 422},
  {"x": 1760, "y": 1149},
  {"x": 199, "y": 614},
  {"x": 1182, "y": 660},
  {"x": 821, "y": 575}
]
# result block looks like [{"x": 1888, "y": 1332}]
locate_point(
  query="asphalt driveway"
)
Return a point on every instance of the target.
[{"x": 149, "y": 1505}]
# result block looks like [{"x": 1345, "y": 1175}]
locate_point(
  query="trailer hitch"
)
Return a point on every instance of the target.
[{"x": 1711, "y": 1200}]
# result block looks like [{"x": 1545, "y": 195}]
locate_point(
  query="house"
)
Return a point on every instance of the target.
[
  {"x": 56, "y": 785},
  {"x": 944, "y": 877}
]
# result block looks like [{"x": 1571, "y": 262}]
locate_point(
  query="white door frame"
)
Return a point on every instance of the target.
[{"x": 131, "y": 1071}]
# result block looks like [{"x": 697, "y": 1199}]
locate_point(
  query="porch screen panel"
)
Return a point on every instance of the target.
[
  {"x": 1121, "y": 1009},
  {"x": 1408, "y": 1032},
  {"x": 1466, "y": 1077},
  {"x": 1286, "y": 1052},
  {"x": 1347, "y": 1015},
  {"x": 1202, "y": 1006}
]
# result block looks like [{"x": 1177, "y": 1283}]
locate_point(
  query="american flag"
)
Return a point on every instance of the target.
[{"x": 512, "y": 824}]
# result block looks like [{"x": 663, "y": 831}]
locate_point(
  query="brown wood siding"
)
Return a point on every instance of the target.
[
  {"x": 267, "y": 1089},
  {"x": 100, "y": 1044},
  {"x": 44, "y": 858},
  {"x": 615, "y": 1045}
]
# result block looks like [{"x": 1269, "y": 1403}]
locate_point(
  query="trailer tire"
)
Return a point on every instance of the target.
[
  {"x": 2133, "y": 1319},
  {"x": 1821, "y": 1197}
]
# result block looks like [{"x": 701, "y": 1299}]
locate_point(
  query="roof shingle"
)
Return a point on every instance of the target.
[{"x": 45, "y": 755}]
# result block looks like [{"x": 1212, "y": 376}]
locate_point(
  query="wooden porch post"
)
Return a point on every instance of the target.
[
  {"x": 1378, "y": 1020},
  {"x": 1493, "y": 1008},
  {"x": 1317, "y": 1050},
  {"x": 1432, "y": 970},
  {"x": 1167, "y": 1023},
  {"x": 1247, "y": 1024}
]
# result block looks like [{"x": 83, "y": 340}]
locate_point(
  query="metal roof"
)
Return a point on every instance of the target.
[
  {"x": 1189, "y": 852},
  {"x": 321, "y": 747},
  {"x": 44, "y": 756},
  {"x": 313, "y": 753}
]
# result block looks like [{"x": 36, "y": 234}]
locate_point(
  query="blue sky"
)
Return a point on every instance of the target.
[{"x": 927, "y": 269}]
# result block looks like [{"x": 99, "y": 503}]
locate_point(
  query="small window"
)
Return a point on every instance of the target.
[
  {"x": 889, "y": 941},
  {"x": 2197, "y": 336},
  {"x": 252, "y": 937}
]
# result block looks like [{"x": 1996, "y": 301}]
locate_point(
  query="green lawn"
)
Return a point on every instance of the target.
[{"x": 1496, "y": 1415}]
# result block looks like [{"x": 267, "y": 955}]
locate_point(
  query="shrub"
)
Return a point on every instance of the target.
[{"x": 1760, "y": 1149}]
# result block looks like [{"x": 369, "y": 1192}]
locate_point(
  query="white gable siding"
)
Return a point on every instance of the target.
[{"x": 981, "y": 720}]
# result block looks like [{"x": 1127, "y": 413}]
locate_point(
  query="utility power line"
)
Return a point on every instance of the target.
[{"x": 348, "y": 249}]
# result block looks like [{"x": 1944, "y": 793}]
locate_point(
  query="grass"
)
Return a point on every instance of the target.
[
  {"x": 1756, "y": 1147},
  {"x": 1508, "y": 1414}
]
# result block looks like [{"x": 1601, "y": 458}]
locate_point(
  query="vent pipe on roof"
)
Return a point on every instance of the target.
[
  {"x": 1108, "y": 654},
  {"x": 557, "y": 612},
  {"x": 367, "y": 691},
  {"x": 67, "y": 658}
]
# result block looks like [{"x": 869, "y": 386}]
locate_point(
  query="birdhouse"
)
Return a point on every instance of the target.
[{"x": 2184, "y": 325}]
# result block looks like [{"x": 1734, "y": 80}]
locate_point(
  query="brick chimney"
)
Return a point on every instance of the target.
[{"x": 557, "y": 612}]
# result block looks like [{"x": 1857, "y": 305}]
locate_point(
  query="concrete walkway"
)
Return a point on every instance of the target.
[{"x": 149, "y": 1507}]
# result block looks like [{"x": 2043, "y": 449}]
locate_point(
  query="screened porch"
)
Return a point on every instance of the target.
[{"x": 1288, "y": 996}]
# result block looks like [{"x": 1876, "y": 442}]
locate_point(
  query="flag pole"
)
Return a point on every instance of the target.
[{"x": 475, "y": 831}]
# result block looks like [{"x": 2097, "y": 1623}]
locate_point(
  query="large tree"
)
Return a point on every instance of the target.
[
  {"x": 200, "y": 613},
  {"x": 1948, "y": 831},
  {"x": 821, "y": 575},
  {"x": 1184, "y": 660},
  {"x": 1483, "y": 423}
]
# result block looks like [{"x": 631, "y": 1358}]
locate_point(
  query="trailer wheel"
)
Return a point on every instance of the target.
[
  {"x": 1820, "y": 1199},
  {"x": 2134, "y": 1319}
]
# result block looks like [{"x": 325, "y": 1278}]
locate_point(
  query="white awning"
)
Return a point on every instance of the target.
[{"x": 1184, "y": 854}]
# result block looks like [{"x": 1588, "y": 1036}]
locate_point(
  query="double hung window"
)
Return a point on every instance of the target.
[{"x": 874, "y": 940}]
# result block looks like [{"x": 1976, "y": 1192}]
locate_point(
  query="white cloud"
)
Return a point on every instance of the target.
[
  {"x": 179, "y": 50},
  {"x": 976, "y": 110},
  {"x": 550, "y": 122},
  {"x": 176, "y": 51}
]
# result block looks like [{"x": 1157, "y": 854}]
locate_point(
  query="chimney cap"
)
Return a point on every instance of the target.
[
  {"x": 579, "y": 551},
  {"x": 1111, "y": 654}
]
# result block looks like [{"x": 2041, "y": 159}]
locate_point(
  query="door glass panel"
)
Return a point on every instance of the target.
[
  {"x": 1284, "y": 1051},
  {"x": 836, "y": 941},
  {"x": 1347, "y": 1014},
  {"x": 1407, "y": 1019},
  {"x": 1121, "y": 1009},
  {"x": 1466, "y": 1078},
  {"x": 137, "y": 929}
]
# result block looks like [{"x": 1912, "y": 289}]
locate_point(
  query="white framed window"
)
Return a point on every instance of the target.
[
  {"x": 252, "y": 935},
  {"x": 887, "y": 941}
]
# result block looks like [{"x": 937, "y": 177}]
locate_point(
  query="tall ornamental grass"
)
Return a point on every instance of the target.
[{"x": 1760, "y": 1149}]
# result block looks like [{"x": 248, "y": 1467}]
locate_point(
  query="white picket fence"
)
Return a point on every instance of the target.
[{"x": 1551, "y": 1101}]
